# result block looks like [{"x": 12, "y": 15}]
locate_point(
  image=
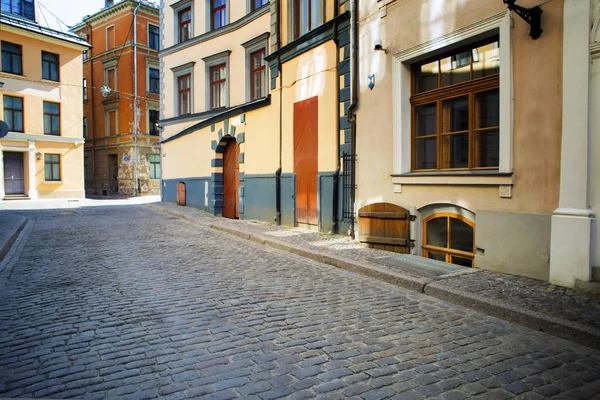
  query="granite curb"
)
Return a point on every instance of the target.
[
  {"x": 559, "y": 327},
  {"x": 12, "y": 236}
]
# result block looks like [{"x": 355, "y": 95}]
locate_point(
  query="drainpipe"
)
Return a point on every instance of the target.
[
  {"x": 136, "y": 151},
  {"x": 336, "y": 174},
  {"x": 353, "y": 106},
  {"x": 279, "y": 67},
  {"x": 92, "y": 134}
]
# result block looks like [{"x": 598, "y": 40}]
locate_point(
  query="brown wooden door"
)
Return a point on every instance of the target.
[
  {"x": 384, "y": 226},
  {"x": 181, "y": 200},
  {"x": 231, "y": 180},
  {"x": 14, "y": 177},
  {"x": 306, "y": 159}
]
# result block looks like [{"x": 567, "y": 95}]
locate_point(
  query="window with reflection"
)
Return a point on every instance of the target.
[
  {"x": 184, "y": 18},
  {"x": 456, "y": 109},
  {"x": 218, "y": 13},
  {"x": 449, "y": 237},
  {"x": 256, "y": 4},
  {"x": 306, "y": 16}
]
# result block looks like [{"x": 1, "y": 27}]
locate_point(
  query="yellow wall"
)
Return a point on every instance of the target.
[
  {"x": 537, "y": 75},
  {"x": 261, "y": 131}
]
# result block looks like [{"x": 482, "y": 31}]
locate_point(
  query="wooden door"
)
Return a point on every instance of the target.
[
  {"x": 306, "y": 159},
  {"x": 384, "y": 226},
  {"x": 231, "y": 180},
  {"x": 14, "y": 176},
  {"x": 181, "y": 200}
]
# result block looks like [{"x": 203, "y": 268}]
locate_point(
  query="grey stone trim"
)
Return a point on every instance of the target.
[
  {"x": 213, "y": 145},
  {"x": 241, "y": 137},
  {"x": 190, "y": 117},
  {"x": 216, "y": 162},
  {"x": 245, "y": 20},
  {"x": 177, "y": 7},
  {"x": 184, "y": 67},
  {"x": 232, "y": 131},
  {"x": 241, "y": 158},
  {"x": 216, "y": 58},
  {"x": 252, "y": 45},
  {"x": 180, "y": 4},
  {"x": 209, "y": 62}
]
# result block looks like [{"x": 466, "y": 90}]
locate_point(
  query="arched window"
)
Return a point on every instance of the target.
[{"x": 449, "y": 237}]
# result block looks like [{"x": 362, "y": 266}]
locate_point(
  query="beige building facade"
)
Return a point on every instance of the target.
[{"x": 41, "y": 102}]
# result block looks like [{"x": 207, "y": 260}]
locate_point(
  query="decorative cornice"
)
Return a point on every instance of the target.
[
  {"x": 180, "y": 4},
  {"x": 259, "y": 39},
  {"x": 245, "y": 20},
  {"x": 213, "y": 57},
  {"x": 183, "y": 67},
  {"x": 108, "y": 12},
  {"x": 17, "y": 25},
  {"x": 44, "y": 138},
  {"x": 595, "y": 50}
]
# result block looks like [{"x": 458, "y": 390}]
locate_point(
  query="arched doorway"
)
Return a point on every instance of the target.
[{"x": 231, "y": 179}]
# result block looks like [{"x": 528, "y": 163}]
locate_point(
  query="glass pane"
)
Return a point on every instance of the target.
[
  {"x": 426, "y": 120},
  {"x": 8, "y": 118},
  {"x": 56, "y": 171},
  {"x": 303, "y": 17},
  {"x": 48, "y": 171},
  {"x": 427, "y": 77},
  {"x": 17, "y": 65},
  {"x": 56, "y": 125},
  {"x": 426, "y": 153},
  {"x": 486, "y": 60},
  {"x": 487, "y": 148},
  {"x": 47, "y": 124},
  {"x": 461, "y": 235},
  {"x": 465, "y": 262},
  {"x": 17, "y": 103},
  {"x": 456, "y": 68},
  {"x": 487, "y": 109},
  {"x": 222, "y": 72},
  {"x": 455, "y": 114},
  {"x": 18, "y": 121},
  {"x": 436, "y": 256},
  {"x": 437, "y": 232},
  {"x": 314, "y": 13},
  {"x": 455, "y": 151},
  {"x": 222, "y": 95},
  {"x": 158, "y": 171}
]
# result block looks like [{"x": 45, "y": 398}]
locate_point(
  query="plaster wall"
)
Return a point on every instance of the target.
[
  {"x": 594, "y": 149},
  {"x": 188, "y": 156}
]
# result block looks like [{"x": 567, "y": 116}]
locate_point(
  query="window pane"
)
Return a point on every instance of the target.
[
  {"x": 314, "y": 13},
  {"x": 48, "y": 171},
  {"x": 56, "y": 172},
  {"x": 465, "y": 262},
  {"x": 437, "y": 232},
  {"x": 455, "y": 114},
  {"x": 436, "y": 256},
  {"x": 8, "y": 118},
  {"x": 55, "y": 125},
  {"x": 157, "y": 173},
  {"x": 455, "y": 151},
  {"x": 50, "y": 108},
  {"x": 486, "y": 60},
  {"x": 456, "y": 68},
  {"x": 487, "y": 148},
  {"x": 47, "y": 124},
  {"x": 303, "y": 16},
  {"x": 427, "y": 77},
  {"x": 222, "y": 95},
  {"x": 18, "y": 121},
  {"x": 426, "y": 120},
  {"x": 487, "y": 109},
  {"x": 461, "y": 235},
  {"x": 426, "y": 153}
]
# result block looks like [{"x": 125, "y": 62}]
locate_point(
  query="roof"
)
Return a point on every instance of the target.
[{"x": 148, "y": 6}]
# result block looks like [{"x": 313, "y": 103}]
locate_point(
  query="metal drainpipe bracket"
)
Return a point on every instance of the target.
[{"x": 533, "y": 16}]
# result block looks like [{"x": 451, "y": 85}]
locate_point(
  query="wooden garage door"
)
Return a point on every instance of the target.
[
  {"x": 306, "y": 159},
  {"x": 384, "y": 226},
  {"x": 231, "y": 179}
]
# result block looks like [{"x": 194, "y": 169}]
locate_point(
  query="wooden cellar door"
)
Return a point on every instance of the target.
[
  {"x": 231, "y": 180},
  {"x": 181, "y": 200},
  {"x": 306, "y": 159},
  {"x": 384, "y": 226}
]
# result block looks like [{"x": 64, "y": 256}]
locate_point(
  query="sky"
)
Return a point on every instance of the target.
[{"x": 69, "y": 12}]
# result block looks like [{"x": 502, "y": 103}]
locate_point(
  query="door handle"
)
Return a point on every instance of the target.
[{"x": 12, "y": 177}]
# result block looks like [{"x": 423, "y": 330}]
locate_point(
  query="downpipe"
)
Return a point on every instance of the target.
[{"x": 278, "y": 196}]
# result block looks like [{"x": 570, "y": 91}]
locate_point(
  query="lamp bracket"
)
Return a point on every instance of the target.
[{"x": 533, "y": 16}]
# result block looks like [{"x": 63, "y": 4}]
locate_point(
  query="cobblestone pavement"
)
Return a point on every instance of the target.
[{"x": 126, "y": 302}]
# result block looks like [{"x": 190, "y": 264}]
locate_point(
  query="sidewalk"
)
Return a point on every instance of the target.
[
  {"x": 10, "y": 227},
  {"x": 529, "y": 302}
]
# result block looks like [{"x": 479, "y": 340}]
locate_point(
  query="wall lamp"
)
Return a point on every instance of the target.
[
  {"x": 38, "y": 156},
  {"x": 533, "y": 16},
  {"x": 1, "y": 84},
  {"x": 378, "y": 46}
]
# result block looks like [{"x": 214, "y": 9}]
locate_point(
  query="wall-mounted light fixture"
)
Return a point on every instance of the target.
[
  {"x": 378, "y": 46},
  {"x": 533, "y": 16},
  {"x": 38, "y": 156},
  {"x": 1, "y": 84}
]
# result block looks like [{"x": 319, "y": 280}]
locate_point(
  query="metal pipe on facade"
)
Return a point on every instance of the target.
[
  {"x": 136, "y": 151},
  {"x": 353, "y": 106},
  {"x": 280, "y": 69},
  {"x": 93, "y": 120}
]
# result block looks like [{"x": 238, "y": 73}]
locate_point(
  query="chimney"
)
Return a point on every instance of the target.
[{"x": 109, "y": 3}]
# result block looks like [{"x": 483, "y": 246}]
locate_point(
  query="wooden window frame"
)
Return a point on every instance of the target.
[
  {"x": 259, "y": 69},
  {"x": 447, "y": 251},
  {"x": 15, "y": 110},
  {"x": 184, "y": 24},
  {"x": 12, "y": 54},
  {"x": 153, "y": 166},
  {"x": 50, "y": 63},
  {"x": 187, "y": 91},
  {"x": 52, "y": 163},
  {"x": 52, "y": 116},
  {"x": 256, "y": 4},
  {"x": 219, "y": 82},
  {"x": 213, "y": 12},
  {"x": 437, "y": 96}
]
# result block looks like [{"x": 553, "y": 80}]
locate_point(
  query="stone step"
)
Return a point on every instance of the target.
[
  {"x": 596, "y": 274},
  {"x": 588, "y": 289},
  {"x": 16, "y": 197}
]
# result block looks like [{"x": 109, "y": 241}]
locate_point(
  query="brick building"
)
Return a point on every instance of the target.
[{"x": 121, "y": 99}]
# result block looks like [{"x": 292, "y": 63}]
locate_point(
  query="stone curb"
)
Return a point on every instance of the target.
[
  {"x": 5, "y": 247},
  {"x": 559, "y": 327}
]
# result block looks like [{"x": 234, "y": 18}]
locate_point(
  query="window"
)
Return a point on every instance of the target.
[
  {"x": 85, "y": 93},
  {"x": 110, "y": 78},
  {"x": 85, "y": 127},
  {"x": 84, "y": 55},
  {"x": 256, "y": 4},
  {"x": 51, "y": 118},
  {"x": 217, "y": 86},
  {"x": 153, "y": 37},
  {"x": 85, "y": 168},
  {"x": 153, "y": 80},
  {"x": 52, "y": 167},
  {"x": 13, "y": 113},
  {"x": 449, "y": 237},
  {"x": 50, "y": 68},
  {"x": 12, "y": 61},
  {"x": 258, "y": 74},
  {"x": 185, "y": 22},
  {"x": 23, "y": 8},
  {"x": 153, "y": 117},
  {"x": 184, "y": 89},
  {"x": 110, "y": 37},
  {"x": 155, "y": 171},
  {"x": 111, "y": 123},
  {"x": 456, "y": 110},
  {"x": 218, "y": 13},
  {"x": 306, "y": 16}
]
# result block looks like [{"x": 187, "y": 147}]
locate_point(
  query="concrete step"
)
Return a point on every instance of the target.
[
  {"x": 596, "y": 274},
  {"x": 588, "y": 289},
  {"x": 16, "y": 197}
]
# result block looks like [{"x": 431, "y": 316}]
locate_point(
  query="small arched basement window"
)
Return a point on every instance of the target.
[{"x": 449, "y": 237}]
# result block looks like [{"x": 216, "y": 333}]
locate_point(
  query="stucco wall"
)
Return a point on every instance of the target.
[{"x": 594, "y": 153}]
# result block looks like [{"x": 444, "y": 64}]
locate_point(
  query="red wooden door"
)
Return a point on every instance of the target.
[
  {"x": 231, "y": 180},
  {"x": 306, "y": 159}
]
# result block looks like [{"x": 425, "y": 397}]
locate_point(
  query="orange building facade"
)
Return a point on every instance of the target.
[{"x": 121, "y": 86}]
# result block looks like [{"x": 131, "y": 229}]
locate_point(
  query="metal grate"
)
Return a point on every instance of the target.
[{"x": 347, "y": 209}]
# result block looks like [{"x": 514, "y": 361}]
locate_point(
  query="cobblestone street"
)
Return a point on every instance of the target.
[{"x": 127, "y": 302}]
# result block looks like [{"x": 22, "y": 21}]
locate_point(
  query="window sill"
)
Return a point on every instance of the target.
[
  {"x": 481, "y": 178},
  {"x": 56, "y": 182},
  {"x": 50, "y": 82}
]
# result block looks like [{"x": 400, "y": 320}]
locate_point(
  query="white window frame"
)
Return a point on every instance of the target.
[
  {"x": 499, "y": 24},
  {"x": 211, "y": 61},
  {"x": 184, "y": 69},
  {"x": 251, "y": 46}
]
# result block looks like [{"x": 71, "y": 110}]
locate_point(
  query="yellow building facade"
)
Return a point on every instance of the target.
[{"x": 41, "y": 102}]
